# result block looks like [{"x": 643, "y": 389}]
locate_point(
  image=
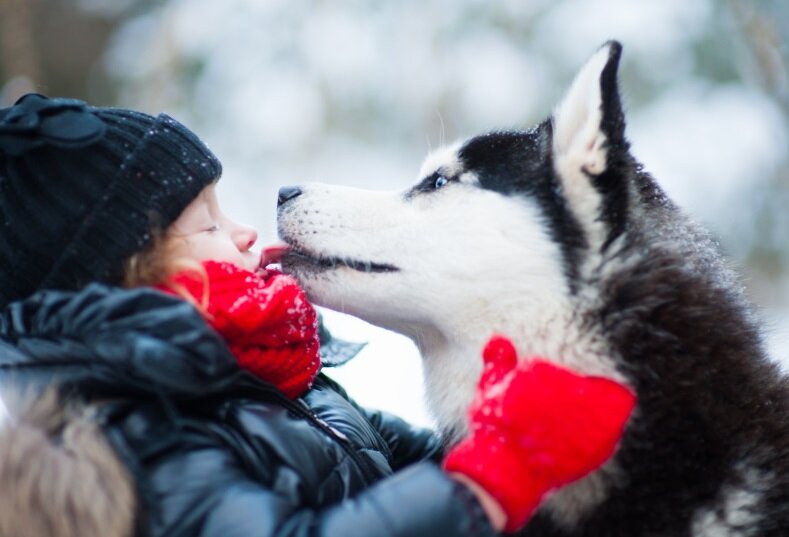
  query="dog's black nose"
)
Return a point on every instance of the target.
[{"x": 287, "y": 193}]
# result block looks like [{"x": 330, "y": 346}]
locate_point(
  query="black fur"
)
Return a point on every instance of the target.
[
  {"x": 612, "y": 182},
  {"x": 708, "y": 398}
]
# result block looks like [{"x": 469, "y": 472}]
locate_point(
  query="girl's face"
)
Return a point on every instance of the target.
[{"x": 202, "y": 232}]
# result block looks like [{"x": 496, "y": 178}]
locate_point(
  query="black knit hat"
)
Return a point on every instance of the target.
[{"x": 82, "y": 188}]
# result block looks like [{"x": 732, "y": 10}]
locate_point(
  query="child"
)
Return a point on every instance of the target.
[{"x": 91, "y": 198}]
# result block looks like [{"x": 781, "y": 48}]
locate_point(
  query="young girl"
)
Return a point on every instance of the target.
[{"x": 203, "y": 372}]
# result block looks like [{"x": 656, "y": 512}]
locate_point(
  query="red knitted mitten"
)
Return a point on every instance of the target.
[
  {"x": 534, "y": 427},
  {"x": 267, "y": 322}
]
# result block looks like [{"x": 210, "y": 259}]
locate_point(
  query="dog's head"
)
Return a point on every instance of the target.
[
  {"x": 553, "y": 236},
  {"x": 501, "y": 221}
]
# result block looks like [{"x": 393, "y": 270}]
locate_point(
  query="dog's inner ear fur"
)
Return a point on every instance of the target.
[
  {"x": 586, "y": 125},
  {"x": 590, "y": 116}
]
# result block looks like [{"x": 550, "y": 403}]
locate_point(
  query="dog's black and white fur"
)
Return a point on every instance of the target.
[{"x": 557, "y": 238}]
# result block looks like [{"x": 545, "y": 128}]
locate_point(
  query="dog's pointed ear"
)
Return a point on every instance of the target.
[
  {"x": 588, "y": 144},
  {"x": 590, "y": 117}
]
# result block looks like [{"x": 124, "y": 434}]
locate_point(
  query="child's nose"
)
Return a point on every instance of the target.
[{"x": 245, "y": 237}]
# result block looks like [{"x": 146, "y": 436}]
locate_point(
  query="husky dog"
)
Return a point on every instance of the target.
[{"x": 557, "y": 238}]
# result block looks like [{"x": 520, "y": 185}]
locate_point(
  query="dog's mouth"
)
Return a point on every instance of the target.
[
  {"x": 300, "y": 258},
  {"x": 292, "y": 257}
]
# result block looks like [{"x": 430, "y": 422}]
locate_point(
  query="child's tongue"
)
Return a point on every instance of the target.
[{"x": 270, "y": 255}]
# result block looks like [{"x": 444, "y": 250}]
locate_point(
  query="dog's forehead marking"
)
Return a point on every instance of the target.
[
  {"x": 469, "y": 178},
  {"x": 444, "y": 160}
]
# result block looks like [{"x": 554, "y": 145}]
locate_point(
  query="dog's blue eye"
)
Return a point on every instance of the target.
[{"x": 441, "y": 181}]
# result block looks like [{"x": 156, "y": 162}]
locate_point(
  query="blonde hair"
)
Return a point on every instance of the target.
[{"x": 158, "y": 262}]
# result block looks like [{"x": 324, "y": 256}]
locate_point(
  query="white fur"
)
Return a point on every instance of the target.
[
  {"x": 471, "y": 262},
  {"x": 740, "y": 508},
  {"x": 579, "y": 144}
]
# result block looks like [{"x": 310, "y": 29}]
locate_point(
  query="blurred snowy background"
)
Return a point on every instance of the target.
[{"x": 355, "y": 92}]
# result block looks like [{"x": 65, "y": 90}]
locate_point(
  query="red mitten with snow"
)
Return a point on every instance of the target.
[
  {"x": 534, "y": 427},
  {"x": 266, "y": 321}
]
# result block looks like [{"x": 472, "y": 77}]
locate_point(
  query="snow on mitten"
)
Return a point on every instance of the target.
[
  {"x": 534, "y": 427},
  {"x": 267, "y": 322}
]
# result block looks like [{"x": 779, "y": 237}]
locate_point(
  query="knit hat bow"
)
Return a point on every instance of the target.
[{"x": 35, "y": 121}]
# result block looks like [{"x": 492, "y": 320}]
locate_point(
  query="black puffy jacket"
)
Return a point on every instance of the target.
[{"x": 215, "y": 451}]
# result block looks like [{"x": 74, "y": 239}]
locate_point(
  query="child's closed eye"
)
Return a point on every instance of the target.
[{"x": 212, "y": 228}]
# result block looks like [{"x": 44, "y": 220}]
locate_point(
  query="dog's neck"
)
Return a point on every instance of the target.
[
  {"x": 452, "y": 359},
  {"x": 452, "y": 362},
  {"x": 452, "y": 366},
  {"x": 451, "y": 371}
]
